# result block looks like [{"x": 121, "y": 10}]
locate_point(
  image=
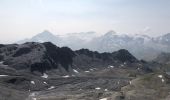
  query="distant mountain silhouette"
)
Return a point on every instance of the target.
[{"x": 141, "y": 46}]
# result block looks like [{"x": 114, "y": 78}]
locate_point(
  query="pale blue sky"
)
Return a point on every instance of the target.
[{"x": 24, "y": 18}]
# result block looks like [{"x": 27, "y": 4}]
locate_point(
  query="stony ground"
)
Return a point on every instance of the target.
[{"x": 86, "y": 86}]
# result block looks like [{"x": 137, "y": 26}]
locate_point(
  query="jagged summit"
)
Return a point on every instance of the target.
[
  {"x": 45, "y": 35},
  {"x": 45, "y": 32},
  {"x": 124, "y": 56}
]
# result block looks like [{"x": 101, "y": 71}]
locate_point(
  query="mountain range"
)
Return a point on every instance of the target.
[
  {"x": 44, "y": 71},
  {"x": 42, "y": 57},
  {"x": 141, "y": 46}
]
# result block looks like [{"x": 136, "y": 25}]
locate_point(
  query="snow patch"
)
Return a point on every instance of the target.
[
  {"x": 32, "y": 82},
  {"x": 163, "y": 80},
  {"x": 3, "y": 75},
  {"x": 52, "y": 87},
  {"x": 98, "y": 88},
  {"x": 130, "y": 82},
  {"x": 75, "y": 71},
  {"x": 44, "y": 75},
  {"x": 160, "y": 76},
  {"x": 45, "y": 82},
  {"x": 103, "y": 99},
  {"x": 66, "y": 76},
  {"x": 34, "y": 98},
  {"x": 87, "y": 71},
  {"x": 32, "y": 94},
  {"x": 111, "y": 66},
  {"x": 105, "y": 89}
]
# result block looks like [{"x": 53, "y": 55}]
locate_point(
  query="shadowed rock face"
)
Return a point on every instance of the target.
[
  {"x": 1, "y": 45},
  {"x": 1, "y": 57},
  {"x": 123, "y": 55},
  {"x": 22, "y": 51},
  {"x": 40, "y": 66},
  {"x": 63, "y": 56},
  {"x": 46, "y": 56}
]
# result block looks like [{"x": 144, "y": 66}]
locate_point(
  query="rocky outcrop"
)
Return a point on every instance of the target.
[{"x": 46, "y": 56}]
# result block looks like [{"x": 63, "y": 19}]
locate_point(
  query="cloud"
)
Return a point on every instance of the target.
[
  {"x": 41, "y": 4},
  {"x": 146, "y": 29}
]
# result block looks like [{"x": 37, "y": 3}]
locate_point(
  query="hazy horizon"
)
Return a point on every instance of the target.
[{"x": 22, "y": 19}]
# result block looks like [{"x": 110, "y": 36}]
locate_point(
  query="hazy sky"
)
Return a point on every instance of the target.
[{"x": 24, "y": 18}]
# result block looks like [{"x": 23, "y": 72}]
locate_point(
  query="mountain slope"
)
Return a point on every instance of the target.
[{"x": 42, "y": 57}]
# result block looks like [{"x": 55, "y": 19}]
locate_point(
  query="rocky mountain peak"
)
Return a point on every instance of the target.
[
  {"x": 44, "y": 34},
  {"x": 124, "y": 56}
]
